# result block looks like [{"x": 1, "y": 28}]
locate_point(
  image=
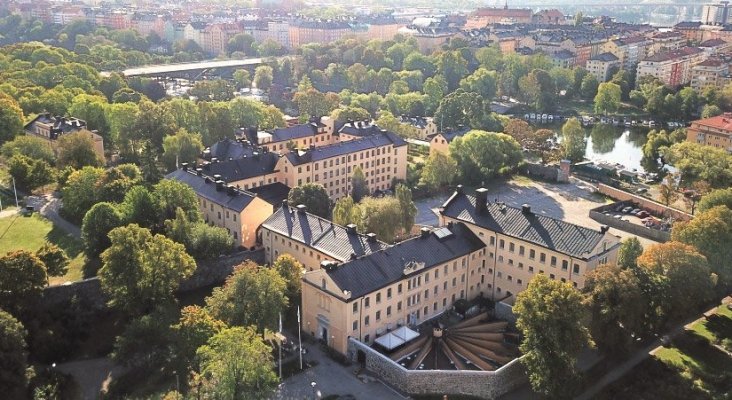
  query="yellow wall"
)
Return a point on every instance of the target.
[
  {"x": 276, "y": 245},
  {"x": 242, "y": 226}
]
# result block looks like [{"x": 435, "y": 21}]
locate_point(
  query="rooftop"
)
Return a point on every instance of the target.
[
  {"x": 249, "y": 166},
  {"x": 673, "y": 54},
  {"x": 564, "y": 237},
  {"x": 721, "y": 122},
  {"x": 59, "y": 125},
  {"x": 337, "y": 241},
  {"x": 345, "y": 147},
  {"x": 227, "y": 197},
  {"x": 381, "y": 268},
  {"x": 361, "y": 128},
  {"x": 605, "y": 57}
]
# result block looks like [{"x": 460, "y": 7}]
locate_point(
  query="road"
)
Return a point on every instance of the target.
[{"x": 49, "y": 206}]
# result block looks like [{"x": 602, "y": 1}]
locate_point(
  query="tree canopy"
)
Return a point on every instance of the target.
[
  {"x": 313, "y": 196},
  {"x": 484, "y": 155}
]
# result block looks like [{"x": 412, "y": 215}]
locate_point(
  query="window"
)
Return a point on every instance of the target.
[
  {"x": 366, "y": 320},
  {"x": 366, "y": 338},
  {"x": 511, "y": 247},
  {"x": 531, "y": 269},
  {"x": 501, "y": 244},
  {"x": 388, "y": 293},
  {"x": 399, "y": 288},
  {"x": 510, "y": 278},
  {"x": 493, "y": 241},
  {"x": 322, "y": 284},
  {"x": 444, "y": 302},
  {"x": 551, "y": 276},
  {"x": 500, "y": 274},
  {"x": 520, "y": 265},
  {"x": 542, "y": 258},
  {"x": 378, "y": 315},
  {"x": 521, "y": 250},
  {"x": 454, "y": 282},
  {"x": 426, "y": 294},
  {"x": 366, "y": 302},
  {"x": 576, "y": 269},
  {"x": 388, "y": 311},
  {"x": 519, "y": 281},
  {"x": 355, "y": 325},
  {"x": 554, "y": 261},
  {"x": 565, "y": 265},
  {"x": 399, "y": 306},
  {"x": 532, "y": 254},
  {"x": 378, "y": 298},
  {"x": 355, "y": 307}
]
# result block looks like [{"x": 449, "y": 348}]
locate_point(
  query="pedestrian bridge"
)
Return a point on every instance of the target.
[{"x": 171, "y": 70}]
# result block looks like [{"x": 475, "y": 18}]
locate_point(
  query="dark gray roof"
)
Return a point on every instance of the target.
[
  {"x": 345, "y": 147},
  {"x": 451, "y": 134},
  {"x": 236, "y": 200},
  {"x": 360, "y": 128},
  {"x": 228, "y": 149},
  {"x": 606, "y": 57},
  {"x": 272, "y": 193},
  {"x": 551, "y": 233},
  {"x": 321, "y": 234},
  {"x": 294, "y": 132},
  {"x": 59, "y": 125},
  {"x": 243, "y": 168},
  {"x": 377, "y": 270}
]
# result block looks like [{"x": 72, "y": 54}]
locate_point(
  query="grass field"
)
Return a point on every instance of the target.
[{"x": 31, "y": 232}]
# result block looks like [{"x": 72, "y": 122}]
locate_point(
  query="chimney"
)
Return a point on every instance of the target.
[
  {"x": 424, "y": 232},
  {"x": 302, "y": 208},
  {"x": 199, "y": 171},
  {"x": 481, "y": 198},
  {"x": 219, "y": 185},
  {"x": 459, "y": 189},
  {"x": 217, "y": 177},
  {"x": 351, "y": 228},
  {"x": 371, "y": 237},
  {"x": 604, "y": 229},
  {"x": 526, "y": 209},
  {"x": 230, "y": 190},
  {"x": 284, "y": 204},
  {"x": 184, "y": 166}
]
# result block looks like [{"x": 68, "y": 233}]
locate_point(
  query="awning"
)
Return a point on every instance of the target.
[
  {"x": 405, "y": 333},
  {"x": 389, "y": 341}
]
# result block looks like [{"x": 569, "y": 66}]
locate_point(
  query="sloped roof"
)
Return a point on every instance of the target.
[
  {"x": 673, "y": 54},
  {"x": 384, "y": 267},
  {"x": 206, "y": 188},
  {"x": 360, "y": 128},
  {"x": 346, "y": 147},
  {"x": 243, "y": 168},
  {"x": 227, "y": 148},
  {"x": 294, "y": 132},
  {"x": 551, "y": 233},
  {"x": 605, "y": 57},
  {"x": 335, "y": 240}
]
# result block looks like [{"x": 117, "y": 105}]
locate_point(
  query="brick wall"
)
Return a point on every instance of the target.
[
  {"x": 651, "y": 206},
  {"x": 483, "y": 384}
]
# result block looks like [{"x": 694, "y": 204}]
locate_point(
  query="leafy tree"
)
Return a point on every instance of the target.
[
  {"x": 195, "y": 327},
  {"x": 698, "y": 162},
  {"x": 483, "y": 82},
  {"x": 407, "y": 207},
  {"x": 13, "y": 356},
  {"x": 202, "y": 241},
  {"x": 263, "y": 77},
  {"x": 22, "y": 279},
  {"x": 710, "y": 232},
  {"x": 453, "y": 67},
  {"x": 252, "y": 295},
  {"x": 419, "y": 62},
  {"x": 684, "y": 274},
  {"x": 379, "y": 215},
  {"x": 140, "y": 207},
  {"x": 141, "y": 270},
  {"x": 29, "y": 146},
  {"x": 147, "y": 343},
  {"x": 573, "y": 140},
  {"x": 434, "y": 88},
  {"x": 79, "y": 193},
  {"x": 359, "y": 187},
  {"x": 607, "y": 99},
  {"x": 29, "y": 173},
  {"x": 656, "y": 140},
  {"x": 212, "y": 90},
  {"x": 98, "y": 222},
  {"x": 237, "y": 364},
  {"x": 313, "y": 196},
  {"x": 439, "y": 171},
  {"x": 629, "y": 252},
  {"x": 459, "y": 108},
  {"x": 710, "y": 110},
  {"x": 483, "y": 155},
  {"x": 550, "y": 315},
  {"x": 667, "y": 192},
  {"x": 216, "y": 122},
  {"x": 350, "y": 113},
  {"x": 54, "y": 258},
  {"x": 616, "y": 305},
  {"x": 589, "y": 86},
  {"x": 242, "y": 79},
  {"x": 11, "y": 118},
  {"x": 291, "y": 271},
  {"x": 719, "y": 197},
  {"x": 76, "y": 150},
  {"x": 312, "y": 102},
  {"x": 170, "y": 195},
  {"x": 181, "y": 147},
  {"x": 242, "y": 42},
  {"x": 346, "y": 211}
]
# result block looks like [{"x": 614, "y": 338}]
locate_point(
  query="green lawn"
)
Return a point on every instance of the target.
[{"x": 31, "y": 232}]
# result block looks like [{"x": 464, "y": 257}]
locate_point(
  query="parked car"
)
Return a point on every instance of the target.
[
  {"x": 626, "y": 210},
  {"x": 618, "y": 216},
  {"x": 642, "y": 214},
  {"x": 635, "y": 211},
  {"x": 619, "y": 208}
]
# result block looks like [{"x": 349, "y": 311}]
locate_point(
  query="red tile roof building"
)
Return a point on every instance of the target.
[{"x": 715, "y": 132}]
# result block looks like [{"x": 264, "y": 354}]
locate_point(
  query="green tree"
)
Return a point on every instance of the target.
[
  {"x": 13, "y": 356},
  {"x": 140, "y": 207},
  {"x": 617, "y": 308},
  {"x": 350, "y": 113},
  {"x": 359, "y": 187},
  {"x": 170, "y": 195},
  {"x": 407, "y": 207},
  {"x": 11, "y": 118},
  {"x": 573, "y": 140},
  {"x": 54, "y": 258},
  {"x": 313, "y": 196},
  {"x": 718, "y": 197},
  {"x": 22, "y": 279},
  {"x": 698, "y": 162},
  {"x": 252, "y": 295},
  {"x": 434, "y": 88},
  {"x": 147, "y": 342},
  {"x": 98, "y": 222},
  {"x": 181, "y": 147},
  {"x": 237, "y": 364},
  {"x": 483, "y": 82},
  {"x": 667, "y": 191},
  {"x": 607, "y": 99},
  {"x": 79, "y": 193},
  {"x": 346, "y": 211},
  {"x": 216, "y": 122},
  {"x": 710, "y": 232},
  {"x": 263, "y": 77},
  {"x": 291, "y": 271},
  {"x": 29, "y": 146},
  {"x": 710, "y": 110},
  {"x": 242, "y": 42},
  {"x": 380, "y": 216},
  {"x": 91, "y": 108},
  {"x": 629, "y": 251},
  {"x": 141, "y": 270},
  {"x": 550, "y": 315},
  {"x": 453, "y": 67},
  {"x": 459, "y": 108},
  {"x": 439, "y": 171},
  {"x": 201, "y": 241},
  {"x": 76, "y": 150},
  {"x": 684, "y": 274},
  {"x": 483, "y": 155},
  {"x": 195, "y": 327},
  {"x": 589, "y": 86},
  {"x": 29, "y": 173}
]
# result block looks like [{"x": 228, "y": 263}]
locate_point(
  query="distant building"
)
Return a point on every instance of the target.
[
  {"x": 601, "y": 66},
  {"x": 629, "y": 50},
  {"x": 673, "y": 68},
  {"x": 51, "y": 128},
  {"x": 505, "y": 15},
  {"x": 714, "y": 131},
  {"x": 425, "y": 126},
  {"x": 441, "y": 141},
  {"x": 316, "y": 132},
  {"x": 712, "y": 72},
  {"x": 716, "y": 13}
]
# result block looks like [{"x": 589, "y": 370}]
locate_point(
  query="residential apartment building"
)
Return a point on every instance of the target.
[
  {"x": 715, "y": 132},
  {"x": 716, "y": 13},
  {"x": 673, "y": 68},
  {"x": 489, "y": 16},
  {"x": 51, "y": 128},
  {"x": 311, "y": 239},
  {"x": 404, "y": 284},
  {"x": 666, "y": 41},
  {"x": 311, "y": 31},
  {"x": 629, "y": 51},
  {"x": 602, "y": 65},
  {"x": 521, "y": 243},
  {"x": 238, "y": 211},
  {"x": 715, "y": 46},
  {"x": 712, "y": 72}
]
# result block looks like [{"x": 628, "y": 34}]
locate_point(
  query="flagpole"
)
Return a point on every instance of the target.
[
  {"x": 280, "y": 353},
  {"x": 16, "y": 193},
  {"x": 299, "y": 338}
]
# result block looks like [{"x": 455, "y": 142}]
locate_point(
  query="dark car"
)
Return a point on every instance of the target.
[
  {"x": 642, "y": 214},
  {"x": 626, "y": 210}
]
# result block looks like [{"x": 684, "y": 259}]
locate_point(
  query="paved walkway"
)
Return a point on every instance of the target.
[
  {"x": 49, "y": 206},
  {"x": 332, "y": 378},
  {"x": 93, "y": 375}
]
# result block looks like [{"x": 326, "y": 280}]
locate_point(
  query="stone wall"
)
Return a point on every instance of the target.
[
  {"x": 649, "y": 205},
  {"x": 541, "y": 171},
  {"x": 483, "y": 384},
  {"x": 206, "y": 274},
  {"x": 640, "y": 230}
]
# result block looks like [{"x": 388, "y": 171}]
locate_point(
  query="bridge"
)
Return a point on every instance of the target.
[{"x": 188, "y": 70}]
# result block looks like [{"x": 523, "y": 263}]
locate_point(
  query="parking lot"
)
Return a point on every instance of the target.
[{"x": 570, "y": 202}]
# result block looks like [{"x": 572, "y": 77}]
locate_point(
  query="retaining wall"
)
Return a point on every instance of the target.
[
  {"x": 545, "y": 172},
  {"x": 483, "y": 384},
  {"x": 653, "y": 234},
  {"x": 651, "y": 206}
]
